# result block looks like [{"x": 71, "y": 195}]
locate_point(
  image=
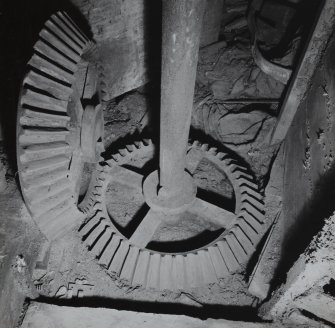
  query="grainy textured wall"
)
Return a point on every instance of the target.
[
  {"x": 128, "y": 35},
  {"x": 309, "y": 179}
]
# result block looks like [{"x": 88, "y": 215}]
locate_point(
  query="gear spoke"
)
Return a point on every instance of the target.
[
  {"x": 146, "y": 229},
  {"x": 126, "y": 177},
  {"x": 213, "y": 213}
]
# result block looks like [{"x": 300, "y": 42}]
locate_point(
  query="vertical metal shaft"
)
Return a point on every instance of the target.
[{"x": 182, "y": 21}]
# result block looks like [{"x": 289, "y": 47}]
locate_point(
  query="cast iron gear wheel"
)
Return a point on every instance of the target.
[
  {"x": 143, "y": 267},
  {"x": 50, "y": 117}
]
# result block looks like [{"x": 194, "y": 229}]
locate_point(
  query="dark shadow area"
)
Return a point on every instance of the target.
[
  {"x": 21, "y": 22},
  {"x": 152, "y": 46},
  {"x": 330, "y": 288},
  {"x": 228, "y": 312},
  {"x": 130, "y": 228},
  {"x": 129, "y": 139},
  {"x": 186, "y": 245},
  {"x": 217, "y": 199},
  {"x": 307, "y": 224},
  {"x": 295, "y": 19},
  {"x": 316, "y": 318}
]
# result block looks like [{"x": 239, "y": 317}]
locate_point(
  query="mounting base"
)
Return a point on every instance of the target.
[{"x": 174, "y": 203}]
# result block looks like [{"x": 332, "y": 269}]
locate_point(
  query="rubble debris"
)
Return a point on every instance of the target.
[
  {"x": 20, "y": 263},
  {"x": 230, "y": 72},
  {"x": 303, "y": 287}
]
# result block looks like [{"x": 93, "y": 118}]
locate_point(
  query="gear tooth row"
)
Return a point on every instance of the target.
[
  {"x": 65, "y": 26},
  {"x": 123, "y": 155},
  {"x": 59, "y": 220},
  {"x": 44, "y": 152},
  {"x": 210, "y": 265}
]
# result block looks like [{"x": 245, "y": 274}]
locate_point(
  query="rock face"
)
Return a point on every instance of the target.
[
  {"x": 231, "y": 127},
  {"x": 231, "y": 73},
  {"x": 128, "y": 116}
]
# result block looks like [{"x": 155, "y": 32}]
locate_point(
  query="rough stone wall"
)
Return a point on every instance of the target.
[{"x": 309, "y": 162}]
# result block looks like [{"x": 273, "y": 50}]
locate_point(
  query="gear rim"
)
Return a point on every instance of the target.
[{"x": 147, "y": 268}]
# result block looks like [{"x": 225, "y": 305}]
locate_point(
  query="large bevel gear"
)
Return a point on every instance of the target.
[
  {"x": 136, "y": 266},
  {"x": 52, "y": 125}
]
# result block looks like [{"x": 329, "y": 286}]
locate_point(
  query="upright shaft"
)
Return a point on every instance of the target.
[{"x": 182, "y": 20}]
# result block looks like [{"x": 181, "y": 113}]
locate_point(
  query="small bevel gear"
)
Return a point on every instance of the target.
[
  {"x": 56, "y": 132},
  {"x": 142, "y": 267}
]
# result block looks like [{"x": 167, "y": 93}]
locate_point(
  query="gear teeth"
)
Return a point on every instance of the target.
[
  {"x": 130, "y": 148},
  {"x": 219, "y": 265},
  {"x": 140, "y": 274},
  {"x": 59, "y": 221},
  {"x": 116, "y": 157},
  {"x": 213, "y": 151},
  {"x": 204, "y": 147},
  {"x": 74, "y": 26},
  {"x": 50, "y": 68},
  {"x": 59, "y": 44},
  {"x": 245, "y": 182},
  {"x": 248, "y": 230},
  {"x": 207, "y": 267},
  {"x": 241, "y": 174},
  {"x": 32, "y": 181},
  {"x": 221, "y": 155},
  {"x": 235, "y": 167},
  {"x": 119, "y": 258},
  {"x": 179, "y": 272},
  {"x": 138, "y": 144},
  {"x": 228, "y": 161},
  {"x": 129, "y": 266},
  {"x": 66, "y": 29},
  {"x": 56, "y": 89},
  {"x": 95, "y": 234},
  {"x": 228, "y": 256},
  {"x": 147, "y": 142},
  {"x": 48, "y": 204},
  {"x": 56, "y": 56},
  {"x": 123, "y": 152},
  {"x": 251, "y": 221},
  {"x": 35, "y": 136},
  {"x": 165, "y": 281},
  {"x": 46, "y": 218},
  {"x": 154, "y": 271},
  {"x": 194, "y": 270},
  {"x": 90, "y": 225},
  {"x": 243, "y": 239},
  {"x": 257, "y": 214},
  {"x": 43, "y": 193},
  {"x": 42, "y": 164},
  {"x": 44, "y": 120},
  {"x": 46, "y": 103},
  {"x": 101, "y": 243},
  {"x": 236, "y": 249},
  {"x": 196, "y": 144},
  {"x": 43, "y": 135},
  {"x": 109, "y": 251},
  {"x": 59, "y": 33},
  {"x": 254, "y": 202},
  {"x": 248, "y": 191}
]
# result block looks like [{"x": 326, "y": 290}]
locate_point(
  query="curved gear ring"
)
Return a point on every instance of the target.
[
  {"x": 138, "y": 266},
  {"x": 49, "y": 123}
]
